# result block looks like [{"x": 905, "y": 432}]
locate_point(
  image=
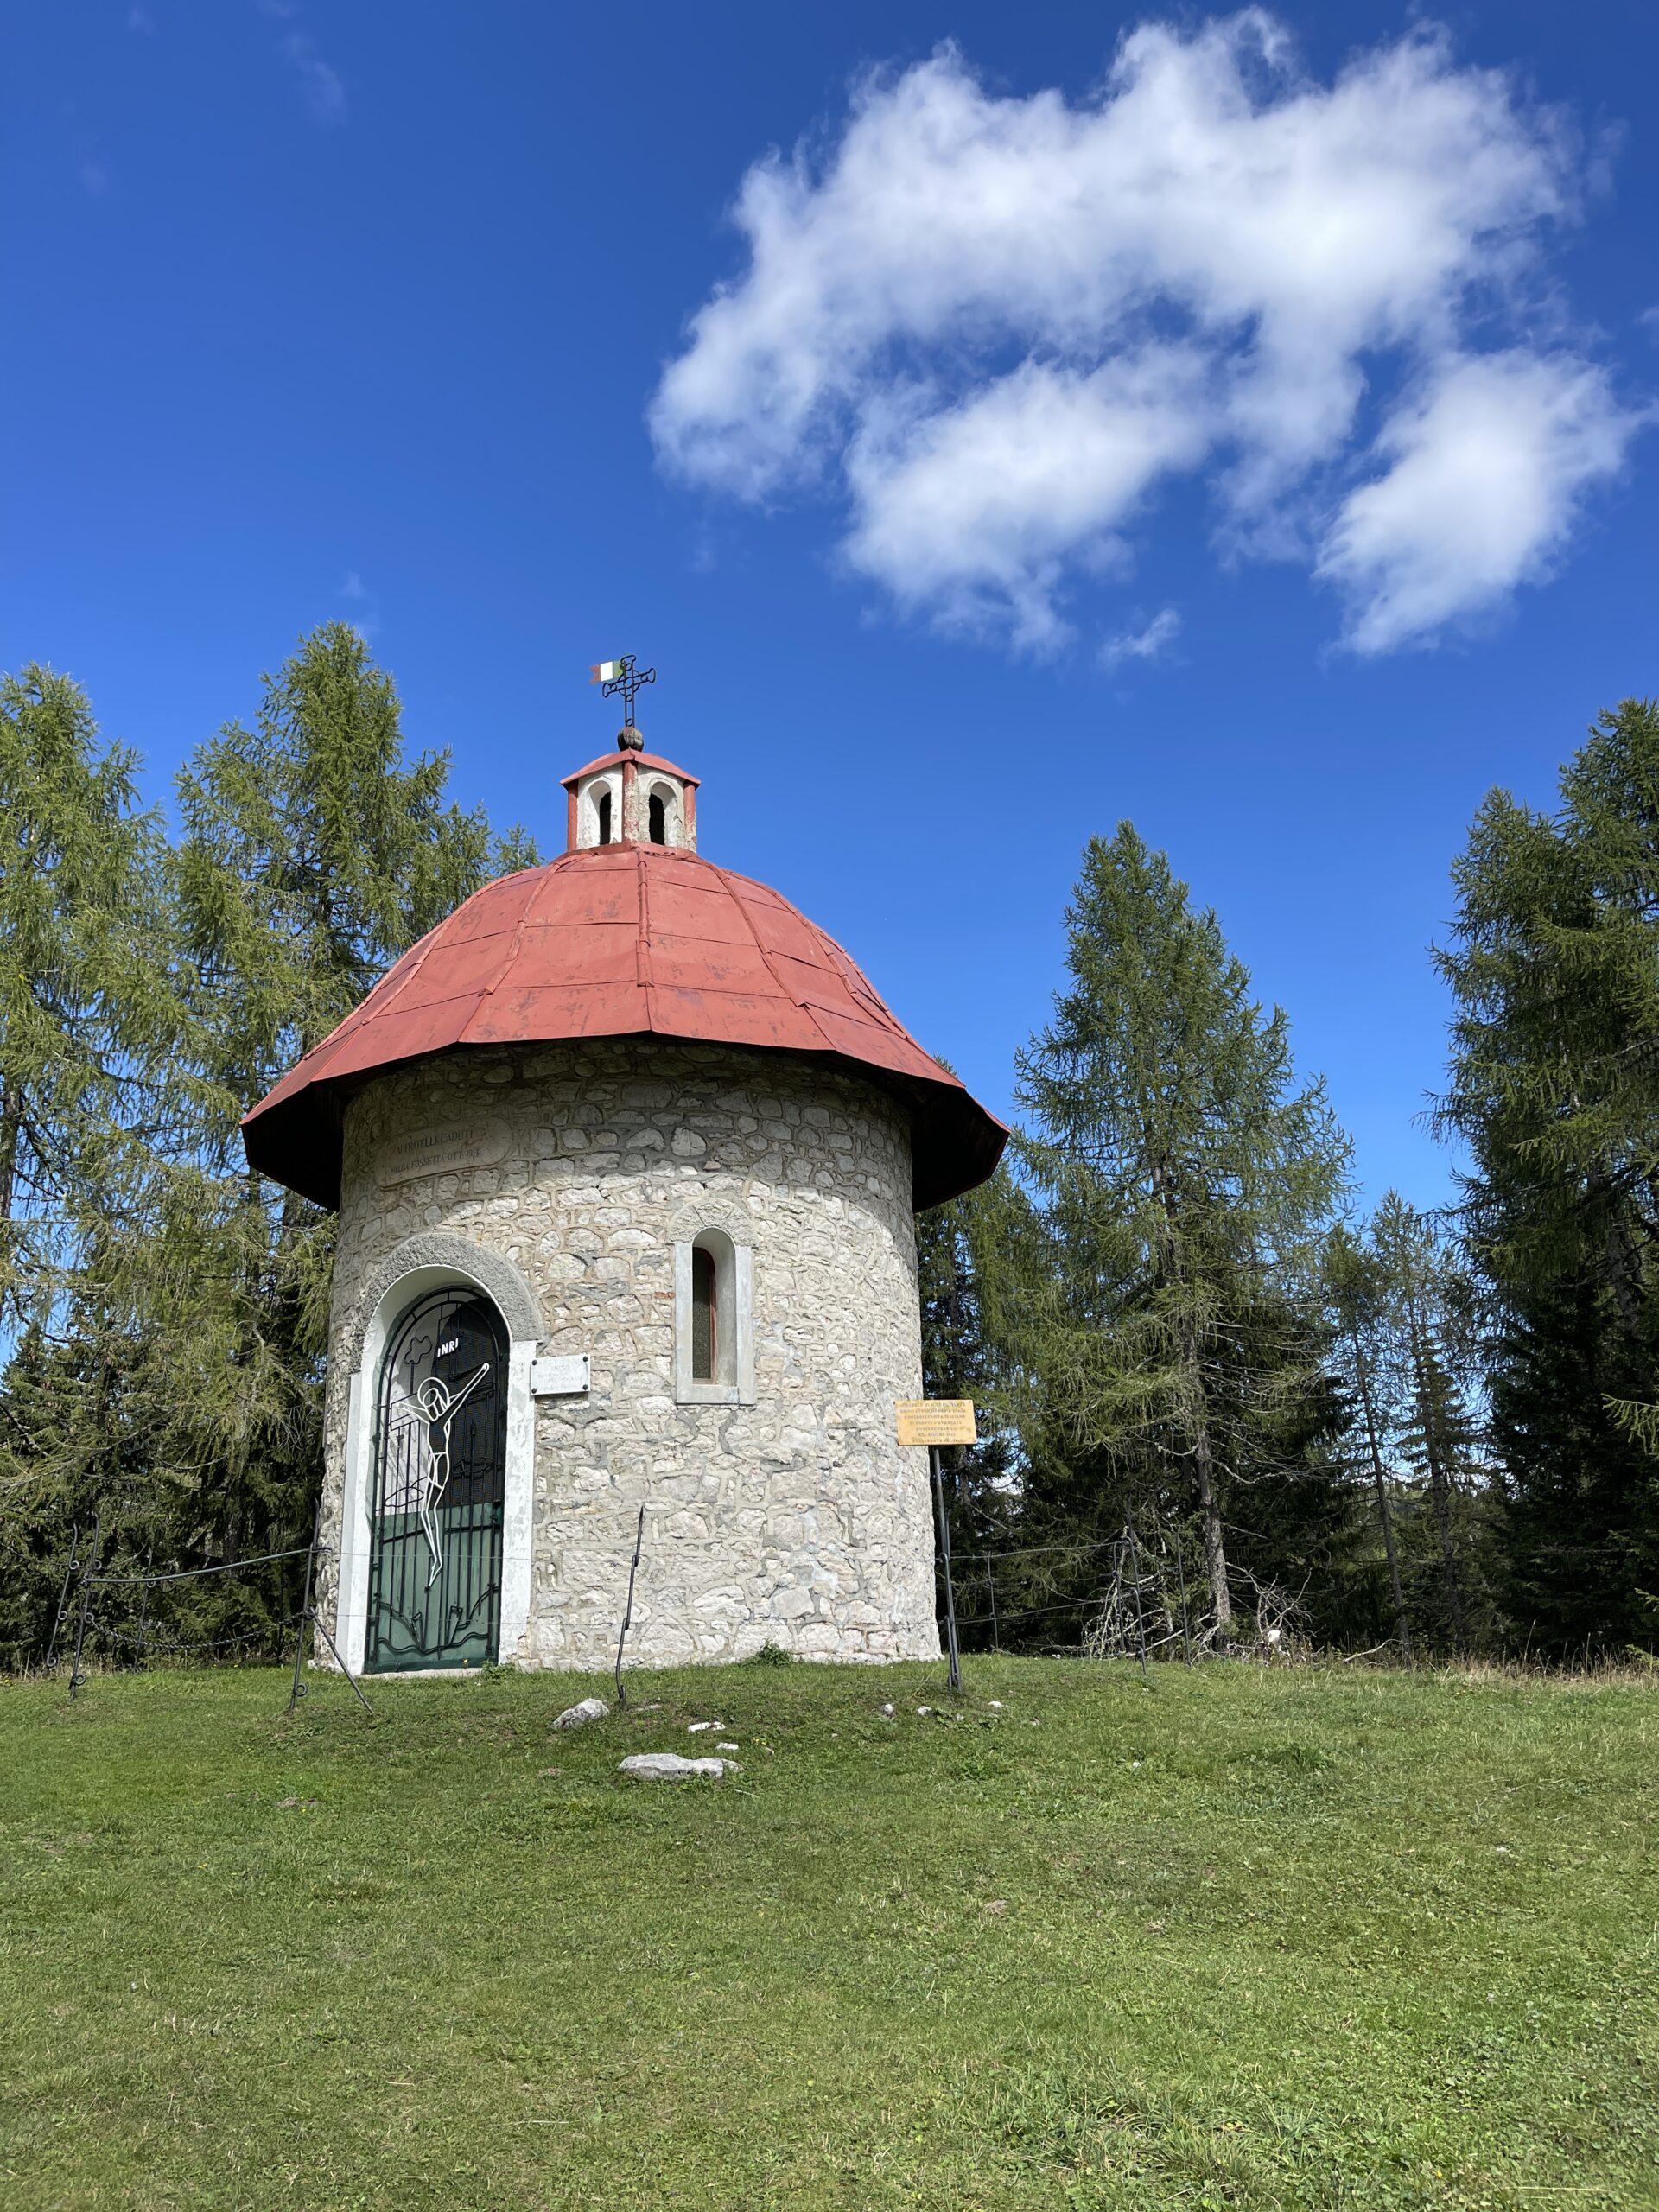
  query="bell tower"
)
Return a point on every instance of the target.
[{"x": 629, "y": 797}]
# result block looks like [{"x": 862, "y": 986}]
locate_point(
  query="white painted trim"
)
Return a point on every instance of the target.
[
  {"x": 743, "y": 1278},
  {"x": 518, "y": 1502},
  {"x": 654, "y": 784},
  {"x": 588, "y": 797},
  {"x": 736, "y": 1388},
  {"x": 352, "y": 1624}
]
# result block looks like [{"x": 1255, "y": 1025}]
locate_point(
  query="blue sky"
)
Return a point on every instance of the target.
[{"x": 1249, "y": 442}]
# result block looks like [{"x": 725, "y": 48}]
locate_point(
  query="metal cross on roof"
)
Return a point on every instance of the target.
[{"x": 623, "y": 675}]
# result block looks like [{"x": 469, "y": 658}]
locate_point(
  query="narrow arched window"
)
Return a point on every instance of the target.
[
  {"x": 659, "y": 820},
  {"x": 705, "y": 1315},
  {"x": 714, "y": 1320},
  {"x": 604, "y": 817}
]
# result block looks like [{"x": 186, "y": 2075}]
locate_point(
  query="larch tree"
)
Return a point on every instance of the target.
[
  {"x": 89, "y": 1021},
  {"x": 166, "y": 1375},
  {"x": 87, "y": 1012},
  {"x": 312, "y": 856},
  {"x": 1186, "y": 1178}
]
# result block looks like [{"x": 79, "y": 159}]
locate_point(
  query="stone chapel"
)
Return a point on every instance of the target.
[{"x": 627, "y": 1154}]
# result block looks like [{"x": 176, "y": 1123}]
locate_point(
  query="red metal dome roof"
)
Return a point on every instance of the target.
[{"x": 622, "y": 940}]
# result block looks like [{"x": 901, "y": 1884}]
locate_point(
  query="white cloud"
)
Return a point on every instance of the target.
[
  {"x": 1489, "y": 467},
  {"x": 1145, "y": 644},
  {"x": 325, "y": 95},
  {"x": 365, "y": 604},
  {"x": 999, "y": 324},
  {"x": 973, "y": 508}
]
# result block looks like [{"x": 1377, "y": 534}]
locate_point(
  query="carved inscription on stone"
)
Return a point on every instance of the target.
[{"x": 450, "y": 1151}]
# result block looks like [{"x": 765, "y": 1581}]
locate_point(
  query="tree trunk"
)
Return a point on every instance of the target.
[
  {"x": 1439, "y": 1483},
  {"x": 1402, "y": 1627},
  {"x": 1624, "y": 1271},
  {"x": 1215, "y": 1549},
  {"x": 11, "y": 1118}
]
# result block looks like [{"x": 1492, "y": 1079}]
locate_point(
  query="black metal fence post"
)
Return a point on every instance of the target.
[
  {"x": 1139, "y": 1621},
  {"x": 944, "y": 1554},
  {"x": 627, "y": 1617},
  {"x": 63, "y": 1597},
  {"x": 143, "y": 1611},
  {"x": 86, "y": 1574},
  {"x": 298, "y": 1690}
]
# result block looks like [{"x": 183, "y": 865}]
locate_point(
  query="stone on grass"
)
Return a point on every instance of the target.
[
  {"x": 726, "y": 1745},
  {"x": 696, "y": 1727},
  {"x": 669, "y": 1766},
  {"x": 576, "y": 1716}
]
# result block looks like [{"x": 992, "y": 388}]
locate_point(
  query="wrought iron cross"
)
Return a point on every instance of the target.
[{"x": 628, "y": 680}]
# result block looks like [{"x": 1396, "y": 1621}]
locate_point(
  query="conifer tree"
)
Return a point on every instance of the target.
[
  {"x": 1438, "y": 1433},
  {"x": 1356, "y": 1284},
  {"x": 957, "y": 1245},
  {"x": 312, "y": 856},
  {"x": 1554, "y": 966},
  {"x": 1185, "y": 1180},
  {"x": 85, "y": 1009}
]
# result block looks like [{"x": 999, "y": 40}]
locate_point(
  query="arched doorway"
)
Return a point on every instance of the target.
[{"x": 435, "y": 1571}]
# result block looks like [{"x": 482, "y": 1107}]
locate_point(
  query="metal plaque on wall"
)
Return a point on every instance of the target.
[{"x": 936, "y": 1420}]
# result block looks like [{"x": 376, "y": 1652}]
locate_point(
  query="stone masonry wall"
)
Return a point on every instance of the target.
[{"x": 796, "y": 1520}]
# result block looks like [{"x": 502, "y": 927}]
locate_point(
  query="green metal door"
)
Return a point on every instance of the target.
[{"x": 435, "y": 1576}]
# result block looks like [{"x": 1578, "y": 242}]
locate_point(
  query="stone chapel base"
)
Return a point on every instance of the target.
[{"x": 568, "y": 1182}]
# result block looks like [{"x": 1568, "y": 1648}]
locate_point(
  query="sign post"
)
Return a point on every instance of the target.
[{"x": 933, "y": 1422}]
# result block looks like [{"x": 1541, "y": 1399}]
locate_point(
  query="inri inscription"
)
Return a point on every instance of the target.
[{"x": 443, "y": 1152}]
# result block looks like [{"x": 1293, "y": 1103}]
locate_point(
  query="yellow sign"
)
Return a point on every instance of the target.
[{"x": 936, "y": 1421}]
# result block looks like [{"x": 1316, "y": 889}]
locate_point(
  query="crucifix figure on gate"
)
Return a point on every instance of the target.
[{"x": 438, "y": 1402}]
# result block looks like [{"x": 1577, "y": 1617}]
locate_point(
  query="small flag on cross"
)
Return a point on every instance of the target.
[{"x": 605, "y": 671}]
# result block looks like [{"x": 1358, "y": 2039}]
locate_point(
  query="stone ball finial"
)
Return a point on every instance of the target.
[{"x": 628, "y": 739}]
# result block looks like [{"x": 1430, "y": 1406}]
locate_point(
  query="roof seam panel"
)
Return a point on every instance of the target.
[{"x": 765, "y": 961}]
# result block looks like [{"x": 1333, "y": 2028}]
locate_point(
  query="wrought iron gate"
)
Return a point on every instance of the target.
[{"x": 435, "y": 1578}]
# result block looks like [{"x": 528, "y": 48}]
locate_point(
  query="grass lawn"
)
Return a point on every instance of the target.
[{"x": 1305, "y": 1938}]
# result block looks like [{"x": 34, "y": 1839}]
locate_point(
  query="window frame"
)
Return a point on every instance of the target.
[{"x": 734, "y": 1335}]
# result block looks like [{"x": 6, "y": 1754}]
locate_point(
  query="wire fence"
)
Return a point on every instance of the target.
[
  {"x": 1136, "y": 1600},
  {"x": 89, "y": 1597}
]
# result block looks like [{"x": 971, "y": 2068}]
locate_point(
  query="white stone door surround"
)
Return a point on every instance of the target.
[{"x": 437, "y": 1260}]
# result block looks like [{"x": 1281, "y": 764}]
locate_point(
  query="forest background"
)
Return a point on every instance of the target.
[{"x": 1218, "y": 1409}]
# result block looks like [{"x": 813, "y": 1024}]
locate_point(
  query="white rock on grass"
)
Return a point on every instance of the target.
[
  {"x": 669, "y": 1766},
  {"x": 726, "y": 1744},
  {"x": 576, "y": 1716},
  {"x": 696, "y": 1727}
]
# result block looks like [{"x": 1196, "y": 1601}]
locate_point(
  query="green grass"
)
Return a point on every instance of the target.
[{"x": 1307, "y": 1938}]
